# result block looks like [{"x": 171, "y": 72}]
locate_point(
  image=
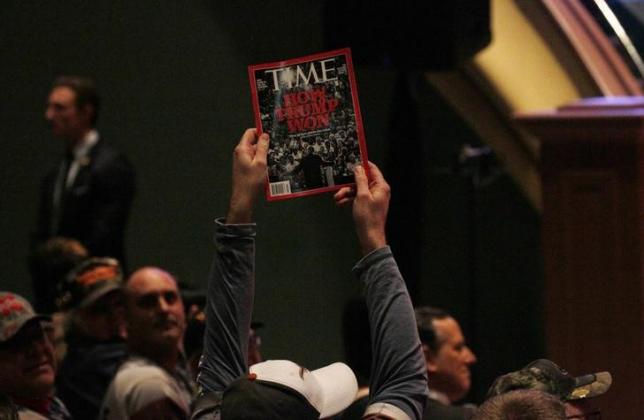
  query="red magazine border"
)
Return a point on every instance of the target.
[{"x": 356, "y": 108}]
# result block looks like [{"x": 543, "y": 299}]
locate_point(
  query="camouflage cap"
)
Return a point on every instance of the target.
[
  {"x": 546, "y": 376},
  {"x": 89, "y": 281},
  {"x": 15, "y": 313}
]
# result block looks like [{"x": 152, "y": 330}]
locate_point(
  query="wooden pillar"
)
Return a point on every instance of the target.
[{"x": 593, "y": 231}]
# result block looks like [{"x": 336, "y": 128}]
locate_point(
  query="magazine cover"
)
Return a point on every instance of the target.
[{"x": 309, "y": 107}]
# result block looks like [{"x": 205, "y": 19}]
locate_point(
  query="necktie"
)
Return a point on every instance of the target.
[{"x": 59, "y": 194}]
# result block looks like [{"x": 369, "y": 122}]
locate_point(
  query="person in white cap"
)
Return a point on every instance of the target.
[{"x": 280, "y": 389}]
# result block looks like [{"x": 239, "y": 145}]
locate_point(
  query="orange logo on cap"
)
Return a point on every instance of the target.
[{"x": 97, "y": 274}]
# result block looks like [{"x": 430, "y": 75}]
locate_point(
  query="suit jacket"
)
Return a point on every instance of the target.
[
  {"x": 311, "y": 165},
  {"x": 95, "y": 208}
]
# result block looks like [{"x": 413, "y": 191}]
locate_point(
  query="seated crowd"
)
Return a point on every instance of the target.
[{"x": 129, "y": 348}]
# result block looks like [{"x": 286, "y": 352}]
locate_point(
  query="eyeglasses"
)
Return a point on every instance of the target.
[{"x": 593, "y": 415}]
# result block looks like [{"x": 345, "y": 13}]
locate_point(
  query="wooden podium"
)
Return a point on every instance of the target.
[{"x": 592, "y": 155}]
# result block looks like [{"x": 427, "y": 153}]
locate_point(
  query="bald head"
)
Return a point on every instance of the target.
[
  {"x": 154, "y": 311},
  {"x": 142, "y": 276}
]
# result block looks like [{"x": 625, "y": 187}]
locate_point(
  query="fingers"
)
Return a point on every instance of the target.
[
  {"x": 344, "y": 192},
  {"x": 251, "y": 148},
  {"x": 344, "y": 202},
  {"x": 344, "y": 196},
  {"x": 362, "y": 183},
  {"x": 262, "y": 148},
  {"x": 245, "y": 144},
  {"x": 249, "y": 136}
]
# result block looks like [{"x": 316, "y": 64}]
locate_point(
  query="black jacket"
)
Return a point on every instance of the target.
[
  {"x": 96, "y": 207},
  {"x": 86, "y": 372}
]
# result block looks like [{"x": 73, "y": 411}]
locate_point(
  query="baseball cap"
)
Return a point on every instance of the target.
[
  {"x": 281, "y": 389},
  {"x": 545, "y": 375},
  {"x": 90, "y": 280},
  {"x": 15, "y": 313}
]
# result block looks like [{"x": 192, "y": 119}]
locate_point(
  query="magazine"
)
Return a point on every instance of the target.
[{"x": 309, "y": 108}]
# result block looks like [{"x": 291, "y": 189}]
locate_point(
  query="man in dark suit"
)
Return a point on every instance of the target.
[
  {"x": 311, "y": 165},
  {"x": 88, "y": 195}
]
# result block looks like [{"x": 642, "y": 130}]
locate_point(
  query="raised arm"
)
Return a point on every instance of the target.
[
  {"x": 398, "y": 386},
  {"x": 231, "y": 282}
]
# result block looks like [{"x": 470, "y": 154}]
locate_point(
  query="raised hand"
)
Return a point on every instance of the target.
[
  {"x": 249, "y": 173},
  {"x": 370, "y": 206}
]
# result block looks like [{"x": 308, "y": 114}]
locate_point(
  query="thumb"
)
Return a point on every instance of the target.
[{"x": 362, "y": 183}]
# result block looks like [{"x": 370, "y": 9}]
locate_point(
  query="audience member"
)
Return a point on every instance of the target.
[
  {"x": 280, "y": 389},
  {"x": 95, "y": 335},
  {"x": 88, "y": 195},
  {"x": 544, "y": 375},
  {"x": 522, "y": 404},
  {"x": 152, "y": 382},
  {"x": 49, "y": 264},
  {"x": 27, "y": 363},
  {"x": 448, "y": 360}
]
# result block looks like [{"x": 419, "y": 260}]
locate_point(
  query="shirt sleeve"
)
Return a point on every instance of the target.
[
  {"x": 229, "y": 306},
  {"x": 398, "y": 371}
]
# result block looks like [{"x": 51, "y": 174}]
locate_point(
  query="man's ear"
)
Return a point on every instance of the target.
[{"x": 430, "y": 359}]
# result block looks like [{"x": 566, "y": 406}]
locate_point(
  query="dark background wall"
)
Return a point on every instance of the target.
[
  {"x": 470, "y": 240},
  {"x": 175, "y": 98}
]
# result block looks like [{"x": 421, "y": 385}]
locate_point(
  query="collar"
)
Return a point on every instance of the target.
[
  {"x": 139, "y": 358},
  {"x": 83, "y": 147},
  {"x": 439, "y": 396},
  {"x": 39, "y": 405}
]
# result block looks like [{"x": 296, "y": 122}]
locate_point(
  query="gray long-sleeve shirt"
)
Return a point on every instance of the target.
[
  {"x": 398, "y": 370},
  {"x": 399, "y": 382}
]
